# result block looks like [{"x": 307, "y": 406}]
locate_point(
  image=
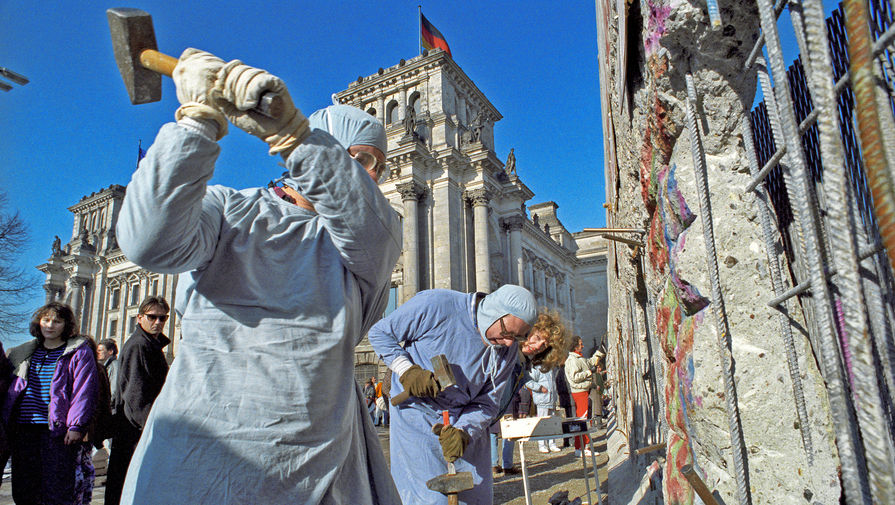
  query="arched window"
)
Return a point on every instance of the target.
[
  {"x": 415, "y": 102},
  {"x": 393, "y": 110}
]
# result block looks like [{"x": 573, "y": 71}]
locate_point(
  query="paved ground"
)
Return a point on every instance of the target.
[{"x": 548, "y": 473}]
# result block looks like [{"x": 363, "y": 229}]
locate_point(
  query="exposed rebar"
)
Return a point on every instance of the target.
[
  {"x": 803, "y": 286},
  {"x": 738, "y": 445},
  {"x": 759, "y": 43},
  {"x": 796, "y": 177},
  {"x": 792, "y": 358},
  {"x": 876, "y": 441},
  {"x": 860, "y": 54},
  {"x": 841, "y": 221}
]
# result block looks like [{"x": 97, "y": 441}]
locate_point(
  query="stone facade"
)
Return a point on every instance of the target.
[
  {"x": 464, "y": 219},
  {"x": 667, "y": 344},
  {"x": 464, "y": 214},
  {"x": 92, "y": 275}
]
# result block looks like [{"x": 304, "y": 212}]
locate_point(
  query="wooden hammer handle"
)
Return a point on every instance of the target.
[
  {"x": 399, "y": 398},
  {"x": 270, "y": 104},
  {"x": 158, "y": 62}
]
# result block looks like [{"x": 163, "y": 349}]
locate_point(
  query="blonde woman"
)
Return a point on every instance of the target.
[{"x": 549, "y": 329}]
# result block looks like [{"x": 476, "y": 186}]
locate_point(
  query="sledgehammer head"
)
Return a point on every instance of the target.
[
  {"x": 449, "y": 483},
  {"x": 443, "y": 372},
  {"x": 132, "y": 33}
]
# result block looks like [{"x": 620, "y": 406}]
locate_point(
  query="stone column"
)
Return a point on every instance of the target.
[
  {"x": 479, "y": 199},
  {"x": 76, "y": 288},
  {"x": 402, "y": 104},
  {"x": 380, "y": 109},
  {"x": 410, "y": 193},
  {"x": 555, "y": 289},
  {"x": 517, "y": 265},
  {"x": 527, "y": 269},
  {"x": 542, "y": 282}
]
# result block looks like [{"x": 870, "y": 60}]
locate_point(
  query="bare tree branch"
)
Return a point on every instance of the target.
[{"x": 16, "y": 285}]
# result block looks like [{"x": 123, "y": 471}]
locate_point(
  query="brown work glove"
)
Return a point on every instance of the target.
[
  {"x": 453, "y": 441},
  {"x": 419, "y": 382}
]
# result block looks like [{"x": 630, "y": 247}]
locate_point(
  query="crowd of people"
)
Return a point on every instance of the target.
[
  {"x": 67, "y": 396},
  {"x": 277, "y": 285}
]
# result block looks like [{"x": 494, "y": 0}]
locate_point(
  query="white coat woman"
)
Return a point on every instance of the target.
[{"x": 579, "y": 373}]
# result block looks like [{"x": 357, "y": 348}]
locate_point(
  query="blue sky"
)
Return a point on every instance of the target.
[{"x": 72, "y": 131}]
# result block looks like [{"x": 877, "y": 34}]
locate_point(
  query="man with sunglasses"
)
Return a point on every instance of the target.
[
  {"x": 277, "y": 286},
  {"x": 141, "y": 374},
  {"x": 481, "y": 336}
]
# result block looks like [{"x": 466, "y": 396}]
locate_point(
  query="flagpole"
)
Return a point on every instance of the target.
[{"x": 419, "y": 32}]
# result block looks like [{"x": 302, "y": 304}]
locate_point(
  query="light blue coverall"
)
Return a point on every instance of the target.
[
  {"x": 260, "y": 404},
  {"x": 445, "y": 322}
]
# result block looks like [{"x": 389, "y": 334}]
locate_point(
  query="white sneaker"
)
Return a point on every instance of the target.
[
  {"x": 543, "y": 449},
  {"x": 555, "y": 448},
  {"x": 586, "y": 453}
]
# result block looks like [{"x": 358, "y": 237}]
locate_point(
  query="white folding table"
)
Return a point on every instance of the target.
[{"x": 593, "y": 460}]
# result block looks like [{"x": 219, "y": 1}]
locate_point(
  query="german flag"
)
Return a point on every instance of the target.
[{"x": 432, "y": 38}]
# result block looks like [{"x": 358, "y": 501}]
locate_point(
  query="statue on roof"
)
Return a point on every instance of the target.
[
  {"x": 510, "y": 167},
  {"x": 409, "y": 121}
]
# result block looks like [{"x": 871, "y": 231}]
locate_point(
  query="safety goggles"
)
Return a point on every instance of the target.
[
  {"x": 504, "y": 333},
  {"x": 371, "y": 164}
]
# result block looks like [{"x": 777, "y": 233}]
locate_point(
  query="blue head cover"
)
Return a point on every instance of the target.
[
  {"x": 508, "y": 299},
  {"x": 350, "y": 126}
]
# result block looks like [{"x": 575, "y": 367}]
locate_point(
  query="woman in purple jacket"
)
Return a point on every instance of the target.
[{"x": 48, "y": 406}]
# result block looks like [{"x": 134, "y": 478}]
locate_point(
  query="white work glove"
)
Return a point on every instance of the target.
[
  {"x": 241, "y": 87},
  {"x": 195, "y": 76}
]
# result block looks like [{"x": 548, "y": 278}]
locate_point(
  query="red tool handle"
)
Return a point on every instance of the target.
[{"x": 446, "y": 418}]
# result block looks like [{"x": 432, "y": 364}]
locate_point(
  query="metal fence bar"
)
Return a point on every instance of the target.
[
  {"x": 839, "y": 219},
  {"x": 738, "y": 445},
  {"x": 797, "y": 181},
  {"x": 763, "y": 202}
]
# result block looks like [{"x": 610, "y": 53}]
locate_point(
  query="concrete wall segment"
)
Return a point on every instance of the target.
[{"x": 656, "y": 190}]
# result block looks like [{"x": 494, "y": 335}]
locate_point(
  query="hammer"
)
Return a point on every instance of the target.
[
  {"x": 141, "y": 65},
  {"x": 443, "y": 374},
  {"x": 451, "y": 483}
]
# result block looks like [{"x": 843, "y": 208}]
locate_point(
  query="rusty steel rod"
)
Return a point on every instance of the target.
[
  {"x": 860, "y": 53},
  {"x": 698, "y": 485}
]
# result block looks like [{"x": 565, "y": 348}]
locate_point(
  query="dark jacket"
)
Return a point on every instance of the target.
[
  {"x": 73, "y": 389},
  {"x": 101, "y": 426},
  {"x": 562, "y": 388},
  {"x": 142, "y": 369}
]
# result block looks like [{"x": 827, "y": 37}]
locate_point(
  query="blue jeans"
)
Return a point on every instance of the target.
[{"x": 508, "y": 446}]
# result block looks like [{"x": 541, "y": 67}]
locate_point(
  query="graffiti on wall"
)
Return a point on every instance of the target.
[{"x": 679, "y": 311}]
